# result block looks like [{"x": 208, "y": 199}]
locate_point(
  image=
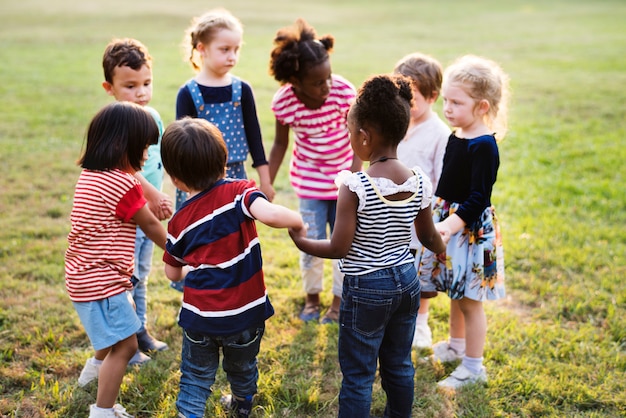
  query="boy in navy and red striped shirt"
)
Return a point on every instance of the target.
[{"x": 213, "y": 244}]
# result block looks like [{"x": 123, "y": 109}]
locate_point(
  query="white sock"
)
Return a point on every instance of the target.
[
  {"x": 95, "y": 361},
  {"x": 422, "y": 319},
  {"x": 472, "y": 364},
  {"x": 457, "y": 344}
]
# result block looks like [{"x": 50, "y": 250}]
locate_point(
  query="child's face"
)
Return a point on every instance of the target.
[
  {"x": 421, "y": 107},
  {"x": 131, "y": 85},
  {"x": 314, "y": 87},
  {"x": 458, "y": 107},
  {"x": 222, "y": 53}
]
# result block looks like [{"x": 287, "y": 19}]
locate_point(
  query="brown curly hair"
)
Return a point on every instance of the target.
[{"x": 296, "y": 50}]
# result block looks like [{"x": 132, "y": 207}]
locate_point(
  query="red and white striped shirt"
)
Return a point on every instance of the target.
[
  {"x": 322, "y": 144},
  {"x": 100, "y": 258}
]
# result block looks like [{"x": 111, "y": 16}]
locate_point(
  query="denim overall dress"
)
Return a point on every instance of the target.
[{"x": 228, "y": 117}]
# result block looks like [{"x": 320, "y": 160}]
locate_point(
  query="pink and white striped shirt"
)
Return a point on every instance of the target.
[{"x": 322, "y": 144}]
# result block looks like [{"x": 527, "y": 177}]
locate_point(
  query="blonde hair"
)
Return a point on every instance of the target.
[
  {"x": 203, "y": 29},
  {"x": 483, "y": 79}
]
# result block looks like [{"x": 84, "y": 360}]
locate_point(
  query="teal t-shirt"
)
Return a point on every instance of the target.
[{"x": 153, "y": 168}]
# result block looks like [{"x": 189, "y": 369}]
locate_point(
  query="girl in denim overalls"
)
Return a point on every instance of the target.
[{"x": 226, "y": 101}]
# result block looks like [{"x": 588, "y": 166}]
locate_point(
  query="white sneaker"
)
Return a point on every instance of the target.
[
  {"x": 118, "y": 411},
  {"x": 90, "y": 372},
  {"x": 423, "y": 337},
  {"x": 444, "y": 353},
  {"x": 461, "y": 376},
  {"x": 139, "y": 358}
]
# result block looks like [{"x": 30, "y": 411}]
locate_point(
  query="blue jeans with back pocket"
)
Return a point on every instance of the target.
[
  {"x": 377, "y": 323},
  {"x": 199, "y": 362}
]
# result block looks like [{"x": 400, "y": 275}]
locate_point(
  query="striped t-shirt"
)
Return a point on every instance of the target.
[
  {"x": 321, "y": 142},
  {"x": 383, "y": 229},
  {"x": 215, "y": 235},
  {"x": 100, "y": 257}
]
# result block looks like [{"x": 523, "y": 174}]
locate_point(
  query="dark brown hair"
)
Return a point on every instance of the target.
[
  {"x": 296, "y": 50},
  {"x": 118, "y": 136},
  {"x": 383, "y": 103},
  {"x": 125, "y": 52},
  {"x": 194, "y": 152}
]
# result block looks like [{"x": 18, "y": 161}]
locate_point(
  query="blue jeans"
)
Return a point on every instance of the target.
[
  {"x": 320, "y": 215},
  {"x": 377, "y": 317},
  {"x": 143, "y": 262},
  {"x": 199, "y": 362}
]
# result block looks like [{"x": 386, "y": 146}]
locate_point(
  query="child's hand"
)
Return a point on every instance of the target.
[
  {"x": 268, "y": 191},
  {"x": 165, "y": 206},
  {"x": 297, "y": 234},
  {"x": 444, "y": 231}
]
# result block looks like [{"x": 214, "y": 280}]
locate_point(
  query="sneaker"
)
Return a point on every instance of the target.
[
  {"x": 310, "y": 313},
  {"x": 423, "y": 337},
  {"x": 242, "y": 408},
  {"x": 148, "y": 343},
  {"x": 444, "y": 353},
  {"x": 461, "y": 376},
  {"x": 90, "y": 372},
  {"x": 118, "y": 411},
  {"x": 139, "y": 358}
]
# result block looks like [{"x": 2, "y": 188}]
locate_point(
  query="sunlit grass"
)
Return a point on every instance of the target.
[{"x": 556, "y": 346}]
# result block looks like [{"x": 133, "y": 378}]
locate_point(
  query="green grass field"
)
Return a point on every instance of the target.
[{"x": 556, "y": 347}]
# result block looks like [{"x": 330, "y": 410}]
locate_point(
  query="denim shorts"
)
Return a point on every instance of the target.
[{"x": 108, "y": 321}]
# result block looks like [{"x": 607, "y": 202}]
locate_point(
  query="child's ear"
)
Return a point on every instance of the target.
[
  {"x": 483, "y": 106},
  {"x": 433, "y": 97},
  {"x": 108, "y": 87}
]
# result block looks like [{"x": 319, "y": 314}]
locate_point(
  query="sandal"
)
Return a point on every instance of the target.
[
  {"x": 310, "y": 313},
  {"x": 331, "y": 317}
]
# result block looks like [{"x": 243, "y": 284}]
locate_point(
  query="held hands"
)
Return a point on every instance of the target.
[
  {"x": 166, "y": 206},
  {"x": 444, "y": 231},
  {"x": 298, "y": 234}
]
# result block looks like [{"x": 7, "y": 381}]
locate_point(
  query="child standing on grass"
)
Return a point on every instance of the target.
[
  {"x": 212, "y": 243},
  {"x": 108, "y": 206},
  {"x": 223, "y": 99},
  {"x": 313, "y": 102},
  {"x": 475, "y": 92},
  {"x": 381, "y": 291},
  {"x": 127, "y": 69},
  {"x": 423, "y": 146}
]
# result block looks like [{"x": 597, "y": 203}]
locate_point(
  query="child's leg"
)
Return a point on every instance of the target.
[
  {"x": 475, "y": 323},
  {"x": 312, "y": 268},
  {"x": 199, "y": 361},
  {"x": 457, "y": 320},
  {"x": 240, "y": 365},
  {"x": 112, "y": 371}
]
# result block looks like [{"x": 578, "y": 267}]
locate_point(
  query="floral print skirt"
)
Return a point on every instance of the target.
[{"x": 473, "y": 265}]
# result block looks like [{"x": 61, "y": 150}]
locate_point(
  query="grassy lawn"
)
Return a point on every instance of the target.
[{"x": 556, "y": 347}]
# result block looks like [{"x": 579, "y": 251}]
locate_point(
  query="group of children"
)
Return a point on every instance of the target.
[{"x": 416, "y": 222}]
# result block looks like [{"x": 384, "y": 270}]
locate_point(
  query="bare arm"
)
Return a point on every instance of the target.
[
  {"x": 274, "y": 215},
  {"x": 265, "y": 182},
  {"x": 151, "y": 226},
  {"x": 176, "y": 274},
  {"x": 426, "y": 232},
  {"x": 277, "y": 154},
  {"x": 343, "y": 233},
  {"x": 159, "y": 203}
]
